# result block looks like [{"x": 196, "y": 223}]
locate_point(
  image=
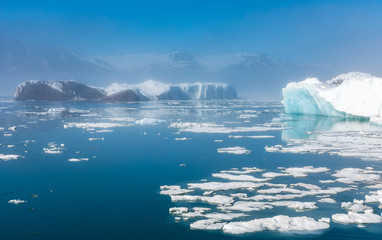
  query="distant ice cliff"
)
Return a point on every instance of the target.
[{"x": 149, "y": 90}]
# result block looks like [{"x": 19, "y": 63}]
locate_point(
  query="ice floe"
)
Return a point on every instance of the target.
[
  {"x": 87, "y": 125},
  {"x": 149, "y": 121},
  {"x": 173, "y": 190},
  {"x": 357, "y": 218},
  {"x": 254, "y": 137},
  {"x": 182, "y": 139},
  {"x": 280, "y": 223},
  {"x": 78, "y": 159},
  {"x": 6, "y": 157},
  {"x": 54, "y": 148},
  {"x": 245, "y": 193},
  {"x": 96, "y": 139},
  {"x": 234, "y": 150},
  {"x": 16, "y": 201},
  {"x": 218, "y": 128}
]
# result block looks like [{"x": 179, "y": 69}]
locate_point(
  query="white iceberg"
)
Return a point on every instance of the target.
[{"x": 353, "y": 94}]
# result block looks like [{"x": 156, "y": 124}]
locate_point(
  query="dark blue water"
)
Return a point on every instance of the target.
[{"x": 115, "y": 195}]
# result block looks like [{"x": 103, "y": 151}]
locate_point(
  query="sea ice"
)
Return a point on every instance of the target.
[
  {"x": 173, "y": 190},
  {"x": 239, "y": 177},
  {"x": 357, "y": 218},
  {"x": 234, "y": 150},
  {"x": 78, "y": 159},
  {"x": 6, "y": 157},
  {"x": 280, "y": 223},
  {"x": 16, "y": 201},
  {"x": 149, "y": 121},
  {"x": 88, "y": 125}
]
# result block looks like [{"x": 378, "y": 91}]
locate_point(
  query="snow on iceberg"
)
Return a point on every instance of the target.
[{"x": 353, "y": 94}]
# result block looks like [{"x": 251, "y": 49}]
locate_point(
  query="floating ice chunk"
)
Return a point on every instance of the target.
[
  {"x": 7, "y": 135},
  {"x": 215, "y": 128},
  {"x": 357, "y": 218},
  {"x": 280, "y": 190},
  {"x": 89, "y": 126},
  {"x": 244, "y": 170},
  {"x": 207, "y": 224},
  {"x": 352, "y": 175},
  {"x": 327, "y": 200},
  {"x": 374, "y": 197},
  {"x": 96, "y": 139},
  {"x": 173, "y": 190},
  {"x": 302, "y": 206},
  {"x": 121, "y": 119},
  {"x": 104, "y": 131},
  {"x": 223, "y": 186},
  {"x": 274, "y": 174},
  {"x": 234, "y": 150},
  {"x": 16, "y": 201},
  {"x": 247, "y": 206},
  {"x": 12, "y": 128},
  {"x": 224, "y": 216},
  {"x": 280, "y": 223},
  {"x": 239, "y": 177},
  {"x": 78, "y": 159},
  {"x": 178, "y": 210},
  {"x": 54, "y": 148},
  {"x": 254, "y": 137},
  {"x": 302, "y": 171},
  {"x": 306, "y": 185},
  {"x": 216, "y": 199},
  {"x": 356, "y": 206},
  {"x": 6, "y": 157},
  {"x": 246, "y": 116},
  {"x": 182, "y": 139},
  {"x": 327, "y": 181},
  {"x": 149, "y": 121}
]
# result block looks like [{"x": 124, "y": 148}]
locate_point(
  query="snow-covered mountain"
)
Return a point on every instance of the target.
[
  {"x": 149, "y": 90},
  {"x": 17, "y": 57},
  {"x": 21, "y": 61}
]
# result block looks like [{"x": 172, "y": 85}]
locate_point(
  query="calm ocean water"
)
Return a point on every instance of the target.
[{"x": 112, "y": 188}]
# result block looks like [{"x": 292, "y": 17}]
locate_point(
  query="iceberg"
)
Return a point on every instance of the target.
[
  {"x": 57, "y": 90},
  {"x": 71, "y": 90},
  {"x": 353, "y": 94}
]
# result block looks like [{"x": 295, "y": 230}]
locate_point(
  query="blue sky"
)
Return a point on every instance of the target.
[{"x": 311, "y": 31}]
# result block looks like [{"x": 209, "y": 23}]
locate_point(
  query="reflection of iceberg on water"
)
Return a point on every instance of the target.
[{"x": 332, "y": 135}]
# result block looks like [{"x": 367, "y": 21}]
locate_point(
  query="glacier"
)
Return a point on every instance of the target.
[
  {"x": 146, "y": 91},
  {"x": 353, "y": 94}
]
